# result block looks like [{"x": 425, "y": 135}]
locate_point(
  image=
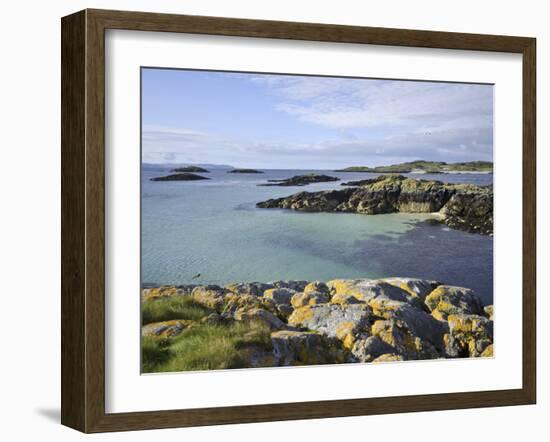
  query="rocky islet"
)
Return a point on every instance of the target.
[{"x": 460, "y": 206}]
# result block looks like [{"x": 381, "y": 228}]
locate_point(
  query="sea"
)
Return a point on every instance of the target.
[{"x": 210, "y": 232}]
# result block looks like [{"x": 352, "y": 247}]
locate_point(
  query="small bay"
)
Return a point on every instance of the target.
[{"x": 212, "y": 228}]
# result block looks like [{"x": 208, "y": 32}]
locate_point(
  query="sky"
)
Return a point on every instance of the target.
[{"x": 310, "y": 122}]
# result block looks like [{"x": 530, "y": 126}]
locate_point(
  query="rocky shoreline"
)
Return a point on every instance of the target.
[
  {"x": 288, "y": 323},
  {"x": 460, "y": 206}
]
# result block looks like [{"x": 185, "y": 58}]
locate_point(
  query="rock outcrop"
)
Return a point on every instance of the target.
[
  {"x": 301, "y": 180},
  {"x": 184, "y": 176},
  {"x": 191, "y": 169},
  {"x": 460, "y": 206},
  {"x": 338, "y": 321},
  {"x": 244, "y": 171}
]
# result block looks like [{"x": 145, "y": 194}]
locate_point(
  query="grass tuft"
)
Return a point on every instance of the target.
[
  {"x": 166, "y": 309},
  {"x": 206, "y": 347}
]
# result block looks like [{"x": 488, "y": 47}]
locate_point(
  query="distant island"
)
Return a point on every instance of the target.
[
  {"x": 422, "y": 166},
  {"x": 244, "y": 171},
  {"x": 186, "y": 176},
  {"x": 302, "y": 180},
  {"x": 191, "y": 169}
]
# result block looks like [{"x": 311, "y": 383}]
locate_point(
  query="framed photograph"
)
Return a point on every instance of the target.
[{"x": 267, "y": 220}]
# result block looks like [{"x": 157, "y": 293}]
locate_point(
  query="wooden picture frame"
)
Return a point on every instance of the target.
[{"x": 83, "y": 220}]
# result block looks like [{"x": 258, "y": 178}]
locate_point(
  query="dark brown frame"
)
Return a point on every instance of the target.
[{"x": 83, "y": 216}]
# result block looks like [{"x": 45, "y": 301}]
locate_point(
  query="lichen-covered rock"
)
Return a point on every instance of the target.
[
  {"x": 233, "y": 302},
  {"x": 342, "y": 322},
  {"x": 257, "y": 357},
  {"x": 309, "y": 298},
  {"x": 295, "y": 285},
  {"x": 165, "y": 291},
  {"x": 283, "y": 311},
  {"x": 389, "y": 358},
  {"x": 488, "y": 352},
  {"x": 249, "y": 288},
  {"x": 316, "y": 287},
  {"x": 415, "y": 321},
  {"x": 402, "y": 340},
  {"x": 260, "y": 315},
  {"x": 453, "y": 348},
  {"x": 364, "y": 290},
  {"x": 416, "y": 287},
  {"x": 368, "y": 348},
  {"x": 473, "y": 332},
  {"x": 448, "y": 300},
  {"x": 165, "y": 329},
  {"x": 280, "y": 296},
  {"x": 337, "y": 286},
  {"x": 211, "y": 296},
  {"x": 305, "y": 348},
  {"x": 489, "y": 311}
]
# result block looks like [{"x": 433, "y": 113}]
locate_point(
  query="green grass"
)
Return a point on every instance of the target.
[
  {"x": 166, "y": 309},
  {"x": 205, "y": 347}
]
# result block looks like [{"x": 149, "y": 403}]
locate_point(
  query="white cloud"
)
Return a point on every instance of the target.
[
  {"x": 374, "y": 122},
  {"x": 353, "y": 103}
]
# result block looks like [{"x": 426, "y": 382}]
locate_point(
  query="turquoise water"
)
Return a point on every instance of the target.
[{"x": 213, "y": 228}]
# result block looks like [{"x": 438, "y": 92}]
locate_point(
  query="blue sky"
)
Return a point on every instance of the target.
[{"x": 303, "y": 122}]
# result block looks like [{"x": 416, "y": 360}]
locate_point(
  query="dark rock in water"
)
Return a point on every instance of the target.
[
  {"x": 470, "y": 211},
  {"x": 191, "y": 169},
  {"x": 186, "y": 176},
  {"x": 244, "y": 171},
  {"x": 301, "y": 180},
  {"x": 462, "y": 206}
]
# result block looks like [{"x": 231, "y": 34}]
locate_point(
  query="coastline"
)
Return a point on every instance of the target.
[
  {"x": 462, "y": 206},
  {"x": 286, "y": 323}
]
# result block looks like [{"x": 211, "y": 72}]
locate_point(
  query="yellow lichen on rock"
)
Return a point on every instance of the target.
[
  {"x": 389, "y": 358},
  {"x": 260, "y": 315},
  {"x": 348, "y": 298},
  {"x": 345, "y": 333},
  {"x": 316, "y": 286},
  {"x": 465, "y": 324},
  {"x": 451, "y": 300},
  {"x": 474, "y": 332},
  {"x": 209, "y": 296},
  {"x": 419, "y": 288},
  {"x": 300, "y": 315},
  {"x": 161, "y": 292},
  {"x": 488, "y": 352},
  {"x": 384, "y": 307},
  {"x": 437, "y": 314},
  {"x": 304, "y": 348},
  {"x": 310, "y": 298},
  {"x": 341, "y": 286}
]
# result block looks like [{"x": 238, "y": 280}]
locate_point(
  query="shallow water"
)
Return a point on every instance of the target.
[{"x": 213, "y": 228}]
